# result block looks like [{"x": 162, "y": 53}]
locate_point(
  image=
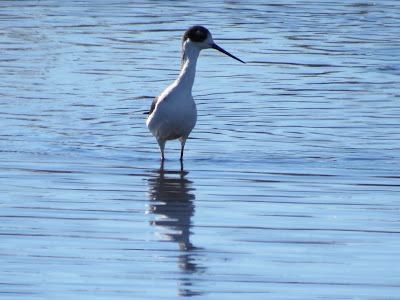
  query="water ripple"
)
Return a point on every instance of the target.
[{"x": 290, "y": 184}]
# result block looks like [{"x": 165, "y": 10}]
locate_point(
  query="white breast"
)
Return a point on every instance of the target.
[{"x": 174, "y": 116}]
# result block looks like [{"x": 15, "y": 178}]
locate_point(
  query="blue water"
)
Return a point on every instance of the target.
[{"x": 290, "y": 186}]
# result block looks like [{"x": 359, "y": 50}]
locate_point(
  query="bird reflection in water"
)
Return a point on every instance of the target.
[{"x": 171, "y": 198}]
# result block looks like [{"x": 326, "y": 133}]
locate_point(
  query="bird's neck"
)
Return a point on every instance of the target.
[{"x": 188, "y": 65}]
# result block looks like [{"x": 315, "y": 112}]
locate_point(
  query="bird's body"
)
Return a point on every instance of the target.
[{"x": 173, "y": 113}]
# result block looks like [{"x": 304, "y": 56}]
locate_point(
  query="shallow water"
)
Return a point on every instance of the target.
[{"x": 291, "y": 179}]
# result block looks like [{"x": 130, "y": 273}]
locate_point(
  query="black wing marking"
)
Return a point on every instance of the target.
[{"x": 153, "y": 105}]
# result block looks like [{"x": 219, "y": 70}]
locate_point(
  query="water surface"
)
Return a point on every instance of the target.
[{"x": 291, "y": 180}]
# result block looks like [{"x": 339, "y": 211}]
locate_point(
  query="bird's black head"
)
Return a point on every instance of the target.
[
  {"x": 196, "y": 34},
  {"x": 202, "y": 39}
]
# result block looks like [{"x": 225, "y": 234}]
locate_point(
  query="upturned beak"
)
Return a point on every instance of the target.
[{"x": 216, "y": 47}]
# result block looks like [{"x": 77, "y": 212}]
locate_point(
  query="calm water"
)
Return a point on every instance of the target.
[{"x": 290, "y": 187}]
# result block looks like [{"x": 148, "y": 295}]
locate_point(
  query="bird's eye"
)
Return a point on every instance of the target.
[{"x": 198, "y": 36}]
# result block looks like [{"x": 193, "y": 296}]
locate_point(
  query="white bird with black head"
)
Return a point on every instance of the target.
[{"x": 173, "y": 113}]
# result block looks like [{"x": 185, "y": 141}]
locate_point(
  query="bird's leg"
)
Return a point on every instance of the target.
[
  {"x": 161, "y": 144},
  {"x": 183, "y": 141},
  {"x": 162, "y": 168}
]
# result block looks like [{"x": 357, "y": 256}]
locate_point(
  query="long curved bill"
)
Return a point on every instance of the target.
[{"x": 216, "y": 47}]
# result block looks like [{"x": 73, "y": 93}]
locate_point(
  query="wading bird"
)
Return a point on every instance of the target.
[{"x": 173, "y": 113}]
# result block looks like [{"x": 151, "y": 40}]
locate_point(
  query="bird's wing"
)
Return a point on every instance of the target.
[{"x": 153, "y": 105}]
